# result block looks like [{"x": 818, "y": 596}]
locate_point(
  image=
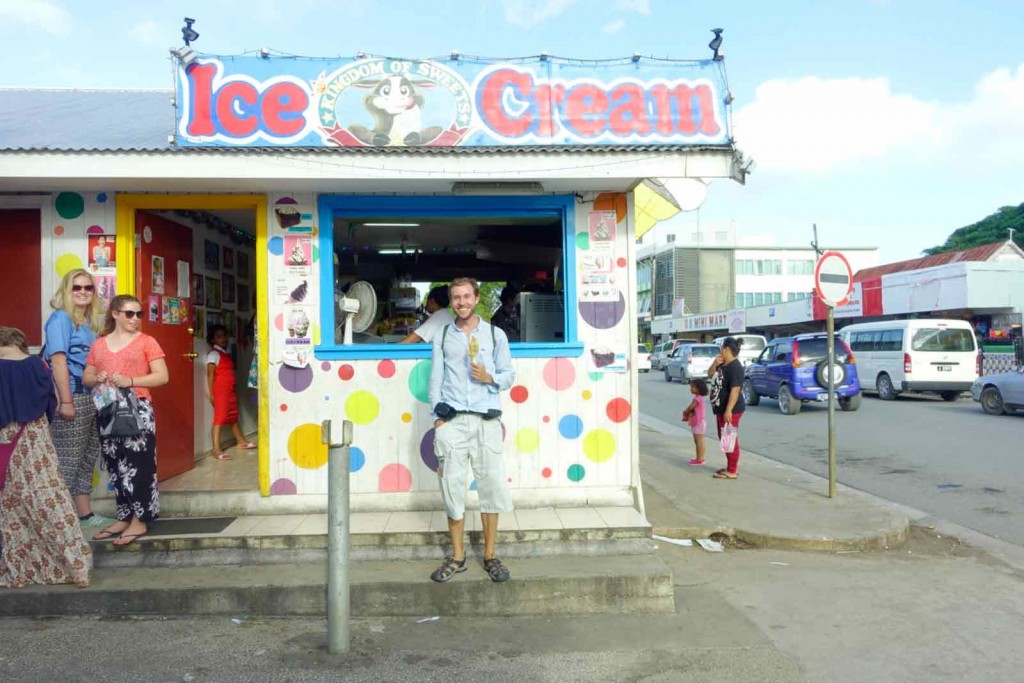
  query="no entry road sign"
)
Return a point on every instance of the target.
[{"x": 833, "y": 278}]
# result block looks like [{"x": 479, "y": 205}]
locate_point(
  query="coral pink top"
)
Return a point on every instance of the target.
[{"x": 131, "y": 361}]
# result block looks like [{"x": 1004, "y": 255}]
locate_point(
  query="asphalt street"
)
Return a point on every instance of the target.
[{"x": 947, "y": 459}]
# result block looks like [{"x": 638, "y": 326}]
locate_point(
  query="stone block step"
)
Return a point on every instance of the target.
[
  {"x": 548, "y": 585},
  {"x": 286, "y": 539}
]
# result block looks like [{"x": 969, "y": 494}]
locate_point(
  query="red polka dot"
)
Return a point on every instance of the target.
[
  {"x": 59, "y": 230},
  {"x": 386, "y": 368},
  {"x": 618, "y": 410},
  {"x": 547, "y": 418},
  {"x": 621, "y": 263},
  {"x": 346, "y": 372},
  {"x": 546, "y": 473},
  {"x": 284, "y": 407},
  {"x": 519, "y": 394},
  {"x": 510, "y": 480}
]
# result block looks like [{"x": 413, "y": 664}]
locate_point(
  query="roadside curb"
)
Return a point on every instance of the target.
[{"x": 875, "y": 540}]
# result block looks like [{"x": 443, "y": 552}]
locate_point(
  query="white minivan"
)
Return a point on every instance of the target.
[
  {"x": 923, "y": 355},
  {"x": 751, "y": 346}
]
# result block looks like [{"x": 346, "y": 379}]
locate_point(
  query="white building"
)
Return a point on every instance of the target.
[{"x": 771, "y": 275}]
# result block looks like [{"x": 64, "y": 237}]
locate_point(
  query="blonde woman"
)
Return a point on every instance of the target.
[
  {"x": 42, "y": 543},
  {"x": 70, "y": 332},
  {"x": 127, "y": 358}
]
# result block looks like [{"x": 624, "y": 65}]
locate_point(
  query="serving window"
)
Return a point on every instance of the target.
[{"x": 388, "y": 252}]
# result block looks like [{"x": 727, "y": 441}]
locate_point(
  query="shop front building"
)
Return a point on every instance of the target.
[{"x": 319, "y": 199}]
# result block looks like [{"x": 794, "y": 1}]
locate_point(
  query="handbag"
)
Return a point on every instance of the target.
[
  {"x": 728, "y": 440},
  {"x": 121, "y": 417},
  {"x": 6, "y": 453}
]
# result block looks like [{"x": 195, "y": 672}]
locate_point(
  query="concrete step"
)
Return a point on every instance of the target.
[
  {"x": 277, "y": 539},
  {"x": 547, "y": 585}
]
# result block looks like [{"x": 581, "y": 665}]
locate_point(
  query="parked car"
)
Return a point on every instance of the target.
[
  {"x": 689, "y": 361},
  {"x": 659, "y": 358},
  {"x": 643, "y": 358},
  {"x": 921, "y": 355},
  {"x": 999, "y": 394},
  {"x": 794, "y": 370},
  {"x": 751, "y": 346}
]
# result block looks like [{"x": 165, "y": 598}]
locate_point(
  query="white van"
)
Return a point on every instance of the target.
[
  {"x": 751, "y": 346},
  {"x": 926, "y": 354}
]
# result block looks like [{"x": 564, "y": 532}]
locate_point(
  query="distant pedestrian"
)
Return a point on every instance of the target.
[
  {"x": 70, "y": 333},
  {"x": 220, "y": 380},
  {"x": 42, "y": 540},
  {"x": 726, "y": 375},
  {"x": 127, "y": 358},
  {"x": 695, "y": 416}
]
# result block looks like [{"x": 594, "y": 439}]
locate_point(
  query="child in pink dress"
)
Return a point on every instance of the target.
[{"x": 694, "y": 414}]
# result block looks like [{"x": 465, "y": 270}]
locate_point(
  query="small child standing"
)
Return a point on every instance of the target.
[
  {"x": 220, "y": 379},
  {"x": 694, "y": 414}
]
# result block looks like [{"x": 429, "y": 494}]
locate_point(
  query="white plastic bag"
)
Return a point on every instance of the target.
[
  {"x": 729, "y": 436},
  {"x": 103, "y": 394}
]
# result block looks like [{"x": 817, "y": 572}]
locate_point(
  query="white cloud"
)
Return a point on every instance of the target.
[
  {"x": 147, "y": 32},
  {"x": 613, "y": 27},
  {"x": 637, "y": 6},
  {"x": 39, "y": 14},
  {"x": 530, "y": 13},
  {"x": 814, "y": 124}
]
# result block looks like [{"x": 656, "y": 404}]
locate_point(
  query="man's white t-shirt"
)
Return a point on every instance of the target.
[{"x": 434, "y": 324}]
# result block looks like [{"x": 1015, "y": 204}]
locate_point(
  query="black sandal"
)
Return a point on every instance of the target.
[
  {"x": 449, "y": 568},
  {"x": 107, "y": 534},
  {"x": 496, "y": 570}
]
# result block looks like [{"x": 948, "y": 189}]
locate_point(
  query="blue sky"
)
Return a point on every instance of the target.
[{"x": 886, "y": 122}]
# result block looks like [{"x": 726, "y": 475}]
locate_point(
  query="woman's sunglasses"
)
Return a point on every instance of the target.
[
  {"x": 79, "y": 288},
  {"x": 131, "y": 314}
]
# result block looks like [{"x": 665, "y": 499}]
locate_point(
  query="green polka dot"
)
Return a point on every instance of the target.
[
  {"x": 69, "y": 205},
  {"x": 65, "y": 263},
  {"x": 596, "y": 376},
  {"x": 576, "y": 472},
  {"x": 583, "y": 241},
  {"x": 599, "y": 445},
  {"x": 527, "y": 440},
  {"x": 419, "y": 381}
]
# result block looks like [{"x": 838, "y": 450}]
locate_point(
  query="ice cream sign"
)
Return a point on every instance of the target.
[{"x": 243, "y": 101}]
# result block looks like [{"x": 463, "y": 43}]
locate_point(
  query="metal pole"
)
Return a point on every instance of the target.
[
  {"x": 831, "y": 327},
  {"x": 338, "y": 608}
]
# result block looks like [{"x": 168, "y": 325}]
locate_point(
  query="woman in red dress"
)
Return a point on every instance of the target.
[{"x": 220, "y": 379}]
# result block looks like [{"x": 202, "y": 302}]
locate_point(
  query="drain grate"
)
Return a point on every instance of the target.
[{"x": 189, "y": 525}]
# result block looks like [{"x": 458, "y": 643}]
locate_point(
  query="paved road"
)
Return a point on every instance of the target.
[{"x": 948, "y": 459}]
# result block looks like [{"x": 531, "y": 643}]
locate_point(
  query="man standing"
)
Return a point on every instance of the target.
[
  {"x": 506, "y": 317},
  {"x": 439, "y": 316},
  {"x": 472, "y": 365}
]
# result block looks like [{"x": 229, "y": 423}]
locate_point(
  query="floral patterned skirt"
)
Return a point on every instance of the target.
[
  {"x": 42, "y": 541},
  {"x": 131, "y": 466}
]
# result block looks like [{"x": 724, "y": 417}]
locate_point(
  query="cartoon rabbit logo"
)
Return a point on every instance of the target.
[{"x": 396, "y": 107}]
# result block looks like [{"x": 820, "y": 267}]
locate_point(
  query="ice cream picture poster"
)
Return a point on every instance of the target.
[
  {"x": 602, "y": 226},
  {"x": 154, "y": 308},
  {"x": 291, "y": 290},
  {"x": 298, "y": 251},
  {"x": 604, "y": 359},
  {"x": 157, "y": 273}
]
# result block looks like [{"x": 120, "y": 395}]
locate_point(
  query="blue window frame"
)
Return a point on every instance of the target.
[{"x": 330, "y": 207}]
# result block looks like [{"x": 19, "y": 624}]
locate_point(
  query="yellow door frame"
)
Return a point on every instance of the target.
[{"x": 126, "y": 206}]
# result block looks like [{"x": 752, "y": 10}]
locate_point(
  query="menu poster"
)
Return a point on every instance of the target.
[
  {"x": 602, "y": 227},
  {"x": 291, "y": 290},
  {"x": 298, "y": 342},
  {"x": 604, "y": 359}
]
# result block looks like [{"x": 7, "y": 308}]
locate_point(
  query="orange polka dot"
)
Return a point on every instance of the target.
[
  {"x": 406, "y": 417},
  {"x": 59, "y": 230}
]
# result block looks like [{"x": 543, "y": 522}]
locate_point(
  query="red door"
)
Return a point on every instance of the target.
[
  {"x": 162, "y": 246},
  {"x": 19, "y": 235}
]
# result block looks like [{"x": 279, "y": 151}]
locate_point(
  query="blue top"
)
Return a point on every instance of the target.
[
  {"x": 26, "y": 391},
  {"x": 74, "y": 341},
  {"x": 450, "y": 374}
]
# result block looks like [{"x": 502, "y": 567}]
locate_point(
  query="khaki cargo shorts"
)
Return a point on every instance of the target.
[{"x": 469, "y": 441}]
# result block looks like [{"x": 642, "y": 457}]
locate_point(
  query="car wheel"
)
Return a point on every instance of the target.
[
  {"x": 787, "y": 403},
  {"x": 821, "y": 374},
  {"x": 950, "y": 396},
  {"x": 850, "y": 404},
  {"x": 886, "y": 391},
  {"x": 750, "y": 395},
  {"x": 992, "y": 401},
  {"x": 668, "y": 377}
]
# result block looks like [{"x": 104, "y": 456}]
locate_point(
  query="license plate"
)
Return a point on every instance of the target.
[{"x": 945, "y": 368}]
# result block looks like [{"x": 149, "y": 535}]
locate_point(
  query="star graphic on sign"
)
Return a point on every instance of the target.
[{"x": 327, "y": 117}]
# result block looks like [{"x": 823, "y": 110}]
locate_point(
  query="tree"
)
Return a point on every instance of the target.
[
  {"x": 993, "y": 228},
  {"x": 490, "y": 297}
]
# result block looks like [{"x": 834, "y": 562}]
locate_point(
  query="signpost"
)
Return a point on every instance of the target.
[
  {"x": 833, "y": 283},
  {"x": 338, "y": 607}
]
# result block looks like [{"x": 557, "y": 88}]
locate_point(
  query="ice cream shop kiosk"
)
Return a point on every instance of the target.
[{"x": 347, "y": 187}]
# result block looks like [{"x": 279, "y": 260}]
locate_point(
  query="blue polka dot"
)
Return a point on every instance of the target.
[
  {"x": 472, "y": 485},
  {"x": 101, "y": 197},
  {"x": 356, "y": 459},
  {"x": 570, "y": 426},
  {"x": 276, "y": 246}
]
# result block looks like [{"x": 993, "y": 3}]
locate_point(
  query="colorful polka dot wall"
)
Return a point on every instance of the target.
[{"x": 566, "y": 423}]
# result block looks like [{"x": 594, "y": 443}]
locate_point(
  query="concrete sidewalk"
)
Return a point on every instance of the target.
[{"x": 770, "y": 505}]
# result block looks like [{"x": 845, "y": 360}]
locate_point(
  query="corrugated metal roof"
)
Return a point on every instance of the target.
[
  {"x": 982, "y": 254},
  {"x": 83, "y": 121}
]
